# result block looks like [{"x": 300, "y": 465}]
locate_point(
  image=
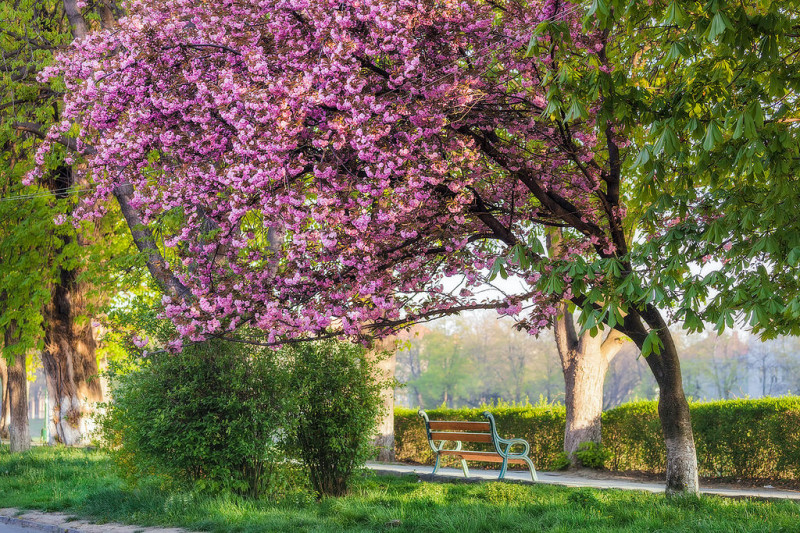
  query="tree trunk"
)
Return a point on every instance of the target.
[
  {"x": 5, "y": 413},
  {"x": 584, "y": 360},
  {"x": 69, "y": 358},
  {"x": 19, "y": 430},
  {"x": 673, "y": 409},
  {"x": 70, "y": 365},
  {"x": 384, "y": 439}
]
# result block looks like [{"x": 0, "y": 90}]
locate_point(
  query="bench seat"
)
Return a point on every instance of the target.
[{"x": 489, "y": 457}]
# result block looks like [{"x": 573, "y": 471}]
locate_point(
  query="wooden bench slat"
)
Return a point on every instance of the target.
[
  {"x": 459, "y": 425},
  {"x": 463, "y": 437},
  {"x": 489, "y": 457}
]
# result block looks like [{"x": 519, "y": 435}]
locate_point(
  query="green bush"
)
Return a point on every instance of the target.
[
  {"x": 214, "y": 416},
  {"x": 755, "y": 439},
  {"x": 561, "y": 462},
  {"x": 339, "y": 404},
  {"x": 592, "y": 455}
]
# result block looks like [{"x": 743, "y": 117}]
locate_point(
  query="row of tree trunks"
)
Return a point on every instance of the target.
[{"x": 585, "y": 362}]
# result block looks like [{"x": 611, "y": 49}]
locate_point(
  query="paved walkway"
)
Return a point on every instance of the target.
[{"x": 591, "y": 479}]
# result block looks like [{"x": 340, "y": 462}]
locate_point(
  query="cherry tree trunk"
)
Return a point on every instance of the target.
[
  {"x": 384, "y": 435},
  {"x": 5, "y": 413}
]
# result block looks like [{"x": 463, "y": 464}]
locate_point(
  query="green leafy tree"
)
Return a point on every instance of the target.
[
  {"x": 50, "y": 272},
  {"x": 719, "y": 162}
]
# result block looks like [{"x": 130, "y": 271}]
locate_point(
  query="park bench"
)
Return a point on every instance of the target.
[{"x": 460, "y": 431}]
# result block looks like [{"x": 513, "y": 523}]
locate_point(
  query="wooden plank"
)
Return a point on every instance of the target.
[
  {"x": 463, "y": 437},
  {"x": 459, "y": 425},
  {"x": 489, "y": 457}
]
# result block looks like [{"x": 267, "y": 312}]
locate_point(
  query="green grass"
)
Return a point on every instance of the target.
[{"x": 83, "y": 483}]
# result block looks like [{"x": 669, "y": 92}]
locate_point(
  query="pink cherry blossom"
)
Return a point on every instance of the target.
[{"x": 317, "y": 165}]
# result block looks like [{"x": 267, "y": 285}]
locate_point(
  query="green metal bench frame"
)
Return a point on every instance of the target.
[{"x": 453, "y": 431}]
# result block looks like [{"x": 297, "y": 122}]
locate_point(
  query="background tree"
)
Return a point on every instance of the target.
[
  {"x": 495, "y": 363},
  {"x": 629, "y": 379},
  {"x": 45, "y": 265}
]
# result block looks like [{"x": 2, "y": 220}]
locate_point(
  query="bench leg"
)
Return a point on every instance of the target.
[
  {"x": 436, "y": 465},
  {"x": 503, "y": 468},
  {"x": 534, "y": 477},
  {"x": 464, "y": 468}
]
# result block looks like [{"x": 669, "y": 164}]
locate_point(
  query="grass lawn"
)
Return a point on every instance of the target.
[{"x": 83, "y": 483}]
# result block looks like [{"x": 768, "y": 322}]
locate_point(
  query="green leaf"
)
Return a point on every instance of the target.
[
  {"x": 536, "y": 245},
  {"x": 537, "y": 32},
  {"x": 794, "y": 256},
  {"x": 713, "y": 136},
  {"x": 642, "y": 158},
  {"x": 497, "y": 268},
  {"x": 719, "y": 24},
  {"x": 674, "y": 14},
  {"x": 576, "y": 110},
  {"x": 737, "y": 132},
  {"x": 598, "y": 6},
  {"x": 758, "y": 113},
  {"x": 668, "y": 142},
  {"x": 652, "y": 344}
]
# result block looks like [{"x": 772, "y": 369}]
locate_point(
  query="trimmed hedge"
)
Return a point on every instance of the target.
[{"x": 735, "y": 439}]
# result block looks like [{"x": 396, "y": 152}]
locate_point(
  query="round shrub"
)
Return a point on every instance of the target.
[
  {"x": 339, "y": 402},
  {"x": 216, "y": 415}
]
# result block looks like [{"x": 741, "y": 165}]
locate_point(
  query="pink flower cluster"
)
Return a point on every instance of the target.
[{"x": 319, "y": 164}]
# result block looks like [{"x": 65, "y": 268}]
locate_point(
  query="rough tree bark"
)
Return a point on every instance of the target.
[
  {"x": 69, "y": 358},
  {"x": 584, "y": 360},
  {"x": 19, "y": 430}
]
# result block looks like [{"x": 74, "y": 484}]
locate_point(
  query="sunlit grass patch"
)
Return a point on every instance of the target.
[{"x": 83, "y": 483}]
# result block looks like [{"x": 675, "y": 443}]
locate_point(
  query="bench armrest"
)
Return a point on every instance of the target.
[
  {"x": 515, "y": 442},
  {"x": 503, "y": 446}
]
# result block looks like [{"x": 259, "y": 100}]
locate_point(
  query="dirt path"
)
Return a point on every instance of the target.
[{"x": 67, "y": 523}]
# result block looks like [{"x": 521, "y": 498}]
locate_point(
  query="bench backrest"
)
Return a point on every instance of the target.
[{"x": 459, "y": 430}]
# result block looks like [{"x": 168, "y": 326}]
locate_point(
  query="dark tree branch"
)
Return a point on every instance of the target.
[
  {"x": 142, "y": 235},
  {"x": 76, "y": 20}
]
